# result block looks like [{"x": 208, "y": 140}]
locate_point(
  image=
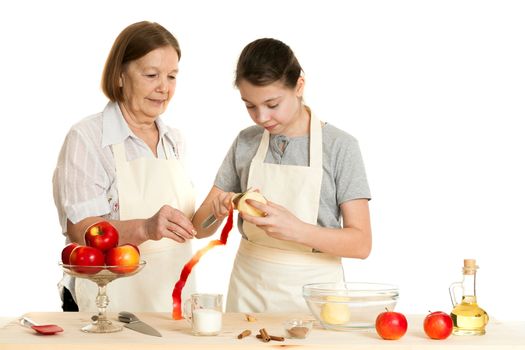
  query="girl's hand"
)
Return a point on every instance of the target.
[
  {"x": 170, "y": 223},
  {"x": 278, "y": 222},
  {"x": 221, "y": 205}
]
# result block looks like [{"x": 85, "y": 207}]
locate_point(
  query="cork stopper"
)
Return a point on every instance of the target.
[{"x": 469, "y": 266}]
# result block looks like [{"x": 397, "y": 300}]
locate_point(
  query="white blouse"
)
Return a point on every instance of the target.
[{"x": 84, "y": 181}]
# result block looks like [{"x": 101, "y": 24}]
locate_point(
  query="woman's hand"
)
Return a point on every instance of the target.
[
  {"x": 278, "y": 221},
  {"x": 170, "y": 223}
]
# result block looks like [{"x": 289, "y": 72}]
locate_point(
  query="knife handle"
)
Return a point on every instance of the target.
[{"x": 127, "y": 317}]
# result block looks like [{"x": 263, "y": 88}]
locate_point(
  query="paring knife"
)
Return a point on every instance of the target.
[
  {"x": 210, "y": 220},
  {"x": 132, "y": 322}
]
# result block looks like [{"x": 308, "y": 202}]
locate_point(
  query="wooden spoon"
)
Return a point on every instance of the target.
[{"x": 46, "y": 329}]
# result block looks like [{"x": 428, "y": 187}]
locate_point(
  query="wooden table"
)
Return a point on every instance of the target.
[{"x": 177, "y": 335}]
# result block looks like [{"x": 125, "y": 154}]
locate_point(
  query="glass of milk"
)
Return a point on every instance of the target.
[{"x": 204, "y": 313}]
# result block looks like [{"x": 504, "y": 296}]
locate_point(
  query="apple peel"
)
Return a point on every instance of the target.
[{"x": 186, "y": 270}]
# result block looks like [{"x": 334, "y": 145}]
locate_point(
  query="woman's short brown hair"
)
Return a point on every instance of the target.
[
  {"x": 267, "y": 60},
  {"x": 134, "y": 42}
]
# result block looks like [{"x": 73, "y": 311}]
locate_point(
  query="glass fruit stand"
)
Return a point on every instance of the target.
[{"x": 102, "y": 276}]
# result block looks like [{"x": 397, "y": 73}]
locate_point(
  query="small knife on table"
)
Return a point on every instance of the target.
[{"x": 132, "y": 322}]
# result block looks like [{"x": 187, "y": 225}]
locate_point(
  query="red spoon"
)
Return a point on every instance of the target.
[{"x": 46, "y": 329}]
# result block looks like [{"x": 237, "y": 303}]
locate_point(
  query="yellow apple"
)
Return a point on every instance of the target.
[
  {"x": 245, "y": 208},
  {"x": 335, "y": 313}
]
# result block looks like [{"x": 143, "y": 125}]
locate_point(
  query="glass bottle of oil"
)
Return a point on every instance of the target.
[{"x": 467, "y": 316}]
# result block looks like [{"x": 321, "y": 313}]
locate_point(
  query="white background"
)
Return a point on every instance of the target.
[{"x": 433, "y": 90}]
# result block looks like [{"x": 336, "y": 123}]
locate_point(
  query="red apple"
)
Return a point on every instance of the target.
[
  {"x": 438, "y": 325},
  {"x": 391, "y": 325},
  {"x": 86, "y": 260},
  {"x": 66, "y": 252},
  {"x": 123, "y": 259},
  {"x": 101, "y": 235}
]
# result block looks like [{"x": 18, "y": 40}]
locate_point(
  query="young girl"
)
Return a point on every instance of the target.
[{"x": 312, "y": 175}]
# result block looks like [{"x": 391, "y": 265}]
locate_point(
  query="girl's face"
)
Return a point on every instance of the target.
[
  {"x": 276, "y": 107},
  {"x": 149, "y": 83}
]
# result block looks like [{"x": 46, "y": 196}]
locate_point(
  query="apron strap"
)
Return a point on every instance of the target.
[
  {"x": 286, "y": 257},
  {"x": 263, "y": 147}
]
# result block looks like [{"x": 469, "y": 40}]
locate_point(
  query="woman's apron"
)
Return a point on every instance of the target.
[
  {"x": 268, "y": 274},
  {"x": 144, "y": 186}
]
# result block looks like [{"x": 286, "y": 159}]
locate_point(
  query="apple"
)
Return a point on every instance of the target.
[
  {"x": 245, "y": 208},
  {"x": 101, "y": 235},
  {"x": 438, "y": 325},
  {"x": 335, "y": 313},
  {"x": 391, "y": 325},
  {"x": 66, "y": 252},
  {"x": 123, "y": 259},
  {"x": 86, "y": 260}
]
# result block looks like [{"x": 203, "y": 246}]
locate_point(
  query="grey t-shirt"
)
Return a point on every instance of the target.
[{"x": 344, "y": 176}]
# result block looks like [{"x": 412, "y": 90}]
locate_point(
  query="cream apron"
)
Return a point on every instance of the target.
[
  {"x": 144, "y": 186},
  {"x": 268, "y": 274}
]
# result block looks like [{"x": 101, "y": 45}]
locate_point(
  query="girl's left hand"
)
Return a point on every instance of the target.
[{"x": 278, "y": 222}]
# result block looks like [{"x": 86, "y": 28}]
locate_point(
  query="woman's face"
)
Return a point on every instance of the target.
[
  {"x": 148, "y": 83},
  {"x": 275, "y": 107}
]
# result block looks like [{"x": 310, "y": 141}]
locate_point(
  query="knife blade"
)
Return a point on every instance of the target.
[
  {"x": 211, "y": 219},
  {"x": 132, "y": 322}
]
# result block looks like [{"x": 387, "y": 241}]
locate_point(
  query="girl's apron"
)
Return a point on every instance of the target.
[
  {"x": 268, "y": 274},
  {"x": 144, "y": 186}
]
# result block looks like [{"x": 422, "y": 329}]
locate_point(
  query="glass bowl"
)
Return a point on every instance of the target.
[
  {"x": 349, "y": 305},
  {"x": 296, "y": 328}
]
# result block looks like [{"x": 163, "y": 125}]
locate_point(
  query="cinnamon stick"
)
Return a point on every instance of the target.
[
  {"x": 272, "y": 337},
  {"x": 264, "y": 335},
  {"x": 244, "y": 334}
]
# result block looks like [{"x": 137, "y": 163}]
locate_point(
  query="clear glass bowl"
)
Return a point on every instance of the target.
[{"x": 351, "y": 305}]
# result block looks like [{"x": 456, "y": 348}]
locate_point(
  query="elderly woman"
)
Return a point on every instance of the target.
[{"x": 124, "y": 165}]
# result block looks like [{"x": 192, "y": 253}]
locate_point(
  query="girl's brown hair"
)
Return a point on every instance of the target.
[
  {"x": 267, "y": 60},
  {"x": 134, "y": 42}
]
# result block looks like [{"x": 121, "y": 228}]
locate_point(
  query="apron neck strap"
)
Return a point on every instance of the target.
[{"x": 316, "y": 143}]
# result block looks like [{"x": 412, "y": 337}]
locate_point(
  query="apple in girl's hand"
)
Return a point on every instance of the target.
[
  {"x": 123, "y": 259},
  {"x": 438, "y": 325},
  {"x": 84, "y": 258},
  {"x": 66, "y": 252},
  {"x": 245, "y": 208},
  {"x": 391, "y": 325},
  {"x": 101, "y": 235}
]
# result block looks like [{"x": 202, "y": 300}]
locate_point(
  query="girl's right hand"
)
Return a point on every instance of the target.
[{"x": 221, "y": 205}]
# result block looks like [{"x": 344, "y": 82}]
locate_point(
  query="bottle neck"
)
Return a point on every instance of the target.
[{"x": 469, "y": 287}]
